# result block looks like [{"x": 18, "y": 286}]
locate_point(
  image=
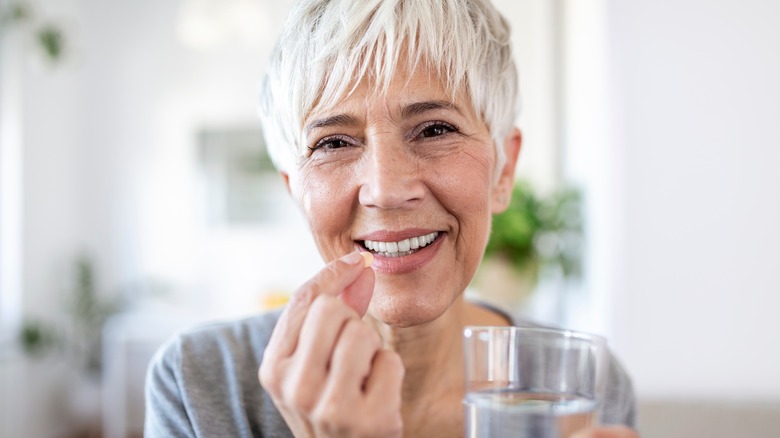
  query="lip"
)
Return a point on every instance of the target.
[
  {"x": 395, "y": 236},
  {"x": 404, "y": 264}
]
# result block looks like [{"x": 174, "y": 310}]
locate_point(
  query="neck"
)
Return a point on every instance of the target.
[{"x": 432, "y": 354}]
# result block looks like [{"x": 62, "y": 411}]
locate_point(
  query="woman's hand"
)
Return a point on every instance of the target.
[
  {"x": 325, "y": 369},
  {"x": 607, "y": 432}
]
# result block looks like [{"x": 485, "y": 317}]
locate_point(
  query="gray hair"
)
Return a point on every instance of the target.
[{"x": 328, "y": 46}]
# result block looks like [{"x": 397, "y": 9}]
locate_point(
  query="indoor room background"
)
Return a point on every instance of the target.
[{"x": 136, "y": 198}]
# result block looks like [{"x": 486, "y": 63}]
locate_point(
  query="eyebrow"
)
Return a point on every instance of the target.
[
  {"x": 336, "y": 120},
  {"x": 418, "y": 108},
  {"x": 411, "y": 110}
]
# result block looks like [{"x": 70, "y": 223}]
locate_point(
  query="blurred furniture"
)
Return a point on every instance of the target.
[
  {"x": 708, "y": 418},
  {"x": 129, "y": 343}
]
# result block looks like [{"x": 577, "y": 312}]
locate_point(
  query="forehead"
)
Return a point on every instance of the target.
[{"x": 400, "y": 96}]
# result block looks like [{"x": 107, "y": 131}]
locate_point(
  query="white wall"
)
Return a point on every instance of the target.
[
  {"x": 110, "y": 152},
  {"x": 696, "y": 302},
  {"x": 52, "y": 160},
  {"x": 46, "y": 127},
  {"x": 107, "y": 168},
  {"x": 687, "y": 198},
  {"x": 534, "y": 40},
  {"x": 109, "y": 165}
]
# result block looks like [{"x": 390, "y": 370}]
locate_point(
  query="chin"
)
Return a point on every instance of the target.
[{"x": 406, "y": 310}]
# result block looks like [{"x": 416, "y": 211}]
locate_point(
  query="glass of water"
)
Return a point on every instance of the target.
[{"x": 529, "y": 382}]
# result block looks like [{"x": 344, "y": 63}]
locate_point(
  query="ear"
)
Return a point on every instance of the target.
[
  {"x": 286, "y": 177},
  {"x": 502, "y": 188}
]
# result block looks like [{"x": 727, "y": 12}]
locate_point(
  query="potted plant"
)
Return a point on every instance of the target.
[
  {"x": 76, "y": 340},
  {"x": 537, "y": 236},
  {"x": 48, "y": 37}
]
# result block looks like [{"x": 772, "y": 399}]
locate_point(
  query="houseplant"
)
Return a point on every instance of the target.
[
  {"x": 74, "y": 339},
  {"x": 48, "y": 37},
  {"x": 78, "y": 336},
  {"x": 539, "y": 235}
]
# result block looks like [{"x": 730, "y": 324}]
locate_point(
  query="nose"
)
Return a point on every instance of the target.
[{"x": 391, "y": 177}]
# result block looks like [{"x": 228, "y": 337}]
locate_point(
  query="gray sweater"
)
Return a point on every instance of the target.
[{"x": 203, "y": 383}]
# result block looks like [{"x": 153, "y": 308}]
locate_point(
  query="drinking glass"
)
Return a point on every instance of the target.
[{"x": 531, "y": 382}]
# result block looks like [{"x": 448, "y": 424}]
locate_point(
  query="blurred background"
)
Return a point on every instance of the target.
[{"x": 136, "y": 199}]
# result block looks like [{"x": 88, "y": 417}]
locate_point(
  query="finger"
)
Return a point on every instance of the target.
[
  {"x": 383, "y": 391},
  {"x": 352, "y": 359},
  {"x": 332, "y": 280},
  {"x": 384, "y": 382},
  {"x": 322, "y": 327}
]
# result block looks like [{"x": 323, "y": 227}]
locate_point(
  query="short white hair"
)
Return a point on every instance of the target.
[{"x": 328, "y": 46}]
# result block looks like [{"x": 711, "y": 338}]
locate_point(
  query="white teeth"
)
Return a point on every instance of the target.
[{"x": 401, "y": 248}]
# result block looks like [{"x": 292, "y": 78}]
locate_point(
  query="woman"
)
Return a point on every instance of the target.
[{"x": 391, "y": 123}]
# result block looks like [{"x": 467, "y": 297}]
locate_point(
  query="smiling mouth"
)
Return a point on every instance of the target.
[{"x": 400, "y": 248}]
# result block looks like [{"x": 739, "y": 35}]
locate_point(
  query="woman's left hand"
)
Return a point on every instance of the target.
[{"x": 607, "y": 432}]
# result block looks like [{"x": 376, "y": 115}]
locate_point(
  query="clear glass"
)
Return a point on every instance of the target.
[{"x": 532, "y": 382}]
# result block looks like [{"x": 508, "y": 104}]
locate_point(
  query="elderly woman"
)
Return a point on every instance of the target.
[{"x": 391, "y": 123}]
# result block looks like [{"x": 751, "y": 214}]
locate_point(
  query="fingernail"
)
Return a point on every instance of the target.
[{"x": 353, "y": 258}]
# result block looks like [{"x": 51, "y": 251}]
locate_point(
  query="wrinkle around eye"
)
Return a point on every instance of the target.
[
  {"x": 420, "y": 131},
  {"x": 332, "y": 143},
  {"x": 340, "y": 156},
  {"x": 480, "y": 160}
]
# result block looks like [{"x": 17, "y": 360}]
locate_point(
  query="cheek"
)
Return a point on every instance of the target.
[
  {"x": 465, "y": 192},
  {"x": 474, "y": 222},
  {"x": 474, "y": 175},
  {"x": 326, "y": 210}
]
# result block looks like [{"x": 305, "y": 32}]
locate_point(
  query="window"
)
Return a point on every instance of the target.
[{"x": 10, "y": 191}]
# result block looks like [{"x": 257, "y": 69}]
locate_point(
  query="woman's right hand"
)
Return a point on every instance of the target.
[{"x": 326, "y": 369}]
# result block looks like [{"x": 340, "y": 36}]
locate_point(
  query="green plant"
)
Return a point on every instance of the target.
[
  {"x": 88, "y": 314},
  {"x": 540, "y": 232},
  {"x": 48, "y": 37},
  {"x": 80, "y": 334},
  {"x": 37, "y": 337}
]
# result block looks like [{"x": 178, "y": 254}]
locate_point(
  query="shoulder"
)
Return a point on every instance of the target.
[
  {"x": 204, "y": 347},
  {"x": 215, "y": 350},
  {"x": 619, "y": 400},
  {"x": 204, "y": 381},
  {"x": 225, "y": 337}
]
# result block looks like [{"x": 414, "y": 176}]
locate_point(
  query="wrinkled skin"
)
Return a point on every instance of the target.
[{"x": 376, "y": 352}]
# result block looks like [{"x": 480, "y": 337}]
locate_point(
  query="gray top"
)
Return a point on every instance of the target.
[{"x": 204, "y": 383}]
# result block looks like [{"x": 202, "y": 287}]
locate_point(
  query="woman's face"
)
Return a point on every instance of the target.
[{"x": 408, "y": 175}]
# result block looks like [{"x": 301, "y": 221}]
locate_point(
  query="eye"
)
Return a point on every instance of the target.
[
  {"x": 330, "y": 143},
  {"x": 435, "y": 129}
]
